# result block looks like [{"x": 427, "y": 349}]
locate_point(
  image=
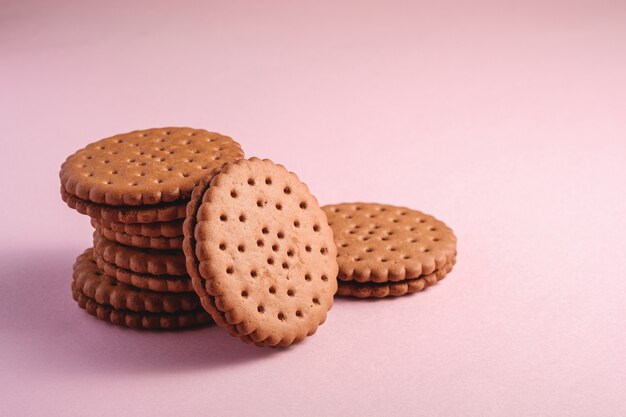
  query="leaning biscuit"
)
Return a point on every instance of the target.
[
  {"x": 261, "y": 254},
  {"x": 146, "y": 167},
  {"x": 383, "y": 243}
]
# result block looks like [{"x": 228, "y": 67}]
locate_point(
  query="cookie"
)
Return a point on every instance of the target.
[
  {"x": 143, "y": 261},
  {"x": 95, "y": 284},
  {"x": 141, "y": 320},
  {"x": 158, "y": 229},
  {"x": 125, "y": 214},
  {"x": 191, "y": 262},
  {"x": 262, "y": 256},
  {"x": 160, "y": 283},
  {"x": 139, "y": 241},
  {"x": 146, "y": 167},
  {"x": 393, "y": 288},
  {"x": 383, "y": 243}
]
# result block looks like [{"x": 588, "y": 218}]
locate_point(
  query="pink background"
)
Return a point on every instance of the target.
[{"x": 506, "y": 121}]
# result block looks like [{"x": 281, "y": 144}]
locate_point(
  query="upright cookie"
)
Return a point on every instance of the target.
[
  {"x": 146, "y": 167},
  {"x": 261, "y": 253},
  {"x": 142, "y": 261}
]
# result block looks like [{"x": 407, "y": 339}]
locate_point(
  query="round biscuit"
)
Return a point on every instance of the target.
[
  {"x": 145, "y": 167},
  {"x": 381, "y": 243},
  {"x": 265, "y": 255}
]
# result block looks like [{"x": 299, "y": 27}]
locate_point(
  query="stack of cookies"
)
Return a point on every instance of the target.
[
  {"x": 387, "y": 251},
  {"x": 135, "y": 187},
  {"x": 187, "y": 233}
]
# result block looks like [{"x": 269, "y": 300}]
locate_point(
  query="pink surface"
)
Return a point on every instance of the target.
[{"x": 506, "y": 121}]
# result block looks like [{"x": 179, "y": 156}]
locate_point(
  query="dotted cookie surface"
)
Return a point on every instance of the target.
[
  {"x": 158, "y": 229},
  {"x": 393, "y": 288},
  {"x": 160, "y": 283},
  {"x": 138, "y": 241},
  {"x": 265, "y": 255},
  {"x": 191, "y": 261},
  {"x": 95, "y": 284},
  {"x": 143, "y": 261},
  {"x": 381, "y": 243},
  {"x": 141, "y": 320},
  {"x": 146, "y": 166},
  {"x": 126, "y": 214}
]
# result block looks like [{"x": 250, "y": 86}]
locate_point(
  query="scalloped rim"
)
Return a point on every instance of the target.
[
  {"x": 200, "y": 282},
  {"x": 394, "y": 289},
  {"x": 126, "y": 214},
  {"x": 346, "y": 275},
  {"x": 123, "y": 296},
  {"x": 158, "y": 283},
  {"x": 170, "y": 229},
  {"x": 166, "y": 243},
  {"x": 146, "y": 321},
  {"x": 170, "y": 193},
  {"x": 138, "y": 260},
  {"x": 191, "y": 261}
]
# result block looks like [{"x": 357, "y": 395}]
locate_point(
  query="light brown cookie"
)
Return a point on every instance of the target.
[
  {"x": 146, "y": 166},
  {"x": 141, "y": 320},
  {"x": 393, "y": 288},
  {"x": 381, "y": 243},
  {"x": 139, "y": 241},
  {"x": 159, "y": 229},
  {"x": 125, "y": 214},
  {"x": 189, "y": 245},
  {"x": 265, "y": 255},
  {"x": 159, "y": 283},
  {"x": 95, "y": 284},
  {"x": 143, "y": 261}
]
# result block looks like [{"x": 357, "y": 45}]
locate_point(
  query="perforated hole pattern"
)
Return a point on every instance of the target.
[
  {"x": 248, "y": 244},
  {"x": 386, "y": 243},
  {"x": 146, "y": 167}
]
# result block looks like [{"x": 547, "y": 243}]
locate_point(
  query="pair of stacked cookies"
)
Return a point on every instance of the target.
[
  {"x": 259, "y": 255},
  {"x": 135, "y": 187},
  {"x": 389, "y": 251}
]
